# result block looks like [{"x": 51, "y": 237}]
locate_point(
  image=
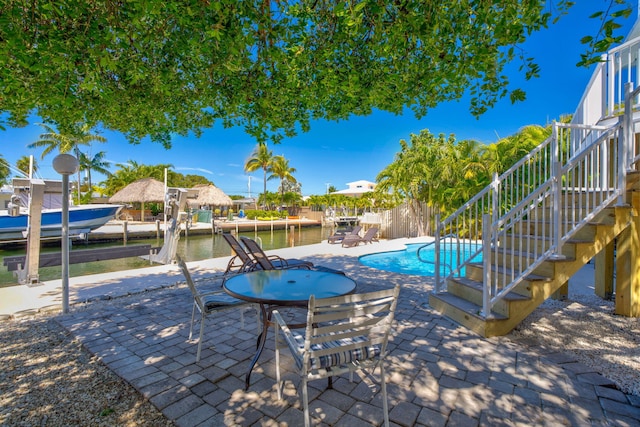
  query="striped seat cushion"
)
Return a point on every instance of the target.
[
  {"x": 334, "y": 359},
  {"x": 218, "y": 300}
]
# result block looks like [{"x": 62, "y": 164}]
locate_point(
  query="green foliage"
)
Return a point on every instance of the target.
[
  {"x": 133, "y": 171},
  {"x": 155, "y": 208},
  {"x": 262, "y": 215},
  {"x": 5, "y": 172},
  {"x": 601, "y": 42},
  {"x": 446, "y": 173},
  {"x": 66, "y": 141},
  {"x": 260, "y": 158},
  {"x": 159, "y": 68},
  {"x": 22, "y": 164},
  {"x": 96, "y": 163}
]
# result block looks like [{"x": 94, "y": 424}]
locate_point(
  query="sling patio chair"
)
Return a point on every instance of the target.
[
  {"x": 339, "y": 236},
  {"x": 267, "y": 263},
  {"x": 343, "y": 334},
  {"x": 211, "y": 302},
  {"x": 241, "y": 261},
  {"x": 369, "y": 236},
  {"x": 272, "y": 262}
]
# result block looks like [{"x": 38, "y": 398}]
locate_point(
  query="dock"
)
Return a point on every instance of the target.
[{"x": 123, "y": 230}]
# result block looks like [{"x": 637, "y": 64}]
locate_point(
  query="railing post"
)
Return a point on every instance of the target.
[
  {"x": 556, "y": 188},
  {"x": 625, "y": 142},
  {"x": 487, "y": 287},
  {"x": 437, "y": 254},
  {"x": 495, "y": 201}
]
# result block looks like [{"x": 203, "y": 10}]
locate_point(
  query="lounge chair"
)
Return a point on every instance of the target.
[
  {"x": 241, "y": 261},
  {"x": 369, "y": 236},
  {"x": 266, "y": 263},
  {"x": 209, "y": 303},
  {"x": 339, "y": 236},
  {"x": 272, "y": 262}
]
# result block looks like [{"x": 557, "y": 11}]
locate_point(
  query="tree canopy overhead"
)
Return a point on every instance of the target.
[{"x": 157, "y": 67}]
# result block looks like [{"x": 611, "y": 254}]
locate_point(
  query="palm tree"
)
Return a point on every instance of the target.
[
  {"x": 23, "y": 164},
  {"x": 96, "y": 163},
  {"x": 51, "y": 140},
  {"x": 4, "y": 171},
  {"x": 261, "y": 158},
  {"x": 280, "y": 169}
]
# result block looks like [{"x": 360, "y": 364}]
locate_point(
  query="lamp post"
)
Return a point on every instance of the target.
[{"x": 65, "y": 165}]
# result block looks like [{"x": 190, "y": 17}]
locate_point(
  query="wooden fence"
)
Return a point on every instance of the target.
[{"x": 401, "y": 222}]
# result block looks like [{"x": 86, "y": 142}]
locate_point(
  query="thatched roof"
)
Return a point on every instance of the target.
[
  {"x": 143, "y": 190},
  {"x": 210, "y": 195}
]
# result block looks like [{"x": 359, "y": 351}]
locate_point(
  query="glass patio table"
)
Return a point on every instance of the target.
[{"x": 284, "y": 288}]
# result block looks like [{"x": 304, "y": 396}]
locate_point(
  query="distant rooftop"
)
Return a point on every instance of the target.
[{"x": 357, "y": 188}]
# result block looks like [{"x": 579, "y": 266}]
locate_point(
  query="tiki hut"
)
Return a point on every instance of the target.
[
  {"x": 146, "y": 190},
  {"x": 210, "y": 195}
]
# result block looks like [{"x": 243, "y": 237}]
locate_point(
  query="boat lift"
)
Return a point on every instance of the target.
[
  {"x": 175, "y": 201},
  {"x": 28, "y": 274}
]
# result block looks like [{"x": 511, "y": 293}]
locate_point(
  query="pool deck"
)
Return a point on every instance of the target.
[{"x": 439, "y": 373}]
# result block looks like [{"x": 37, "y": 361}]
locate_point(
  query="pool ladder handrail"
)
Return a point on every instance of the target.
[{"x": 437, "y": 257}]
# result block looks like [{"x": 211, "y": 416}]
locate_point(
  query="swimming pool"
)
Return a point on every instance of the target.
[{"x": 407, "y": 262}]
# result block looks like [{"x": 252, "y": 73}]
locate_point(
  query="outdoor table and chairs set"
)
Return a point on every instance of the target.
[{"x": 344, "y": 331}]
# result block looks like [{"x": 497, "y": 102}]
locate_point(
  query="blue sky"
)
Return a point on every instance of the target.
[{"x": 335, "y": 153}]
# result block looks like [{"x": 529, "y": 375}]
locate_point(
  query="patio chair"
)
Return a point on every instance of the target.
[
  {"x": 369, "y": 236},
  {"x": 339, "y": 236},
  {"x": 272, "y": 262},
  {"x": 241, "y": 261},
  {"x": 268, "y": 263},
  {"x": 343, "y": 334},
  {"x": 209, "y": 303}
]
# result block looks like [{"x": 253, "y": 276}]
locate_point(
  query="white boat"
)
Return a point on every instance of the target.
[
  {"x": 82, "y": 219},
  {"x": 14, "y": 220}
]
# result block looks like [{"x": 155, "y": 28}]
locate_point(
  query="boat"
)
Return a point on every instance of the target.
[
  {"x": 14, "y": 221},
  {"x": 82, "y": 219}
]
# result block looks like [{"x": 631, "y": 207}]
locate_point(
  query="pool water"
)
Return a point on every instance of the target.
[{"x": 407, "y": 262}]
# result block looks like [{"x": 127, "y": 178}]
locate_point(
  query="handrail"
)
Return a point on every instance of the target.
[
  {"x": 515, "y": 185},
  {"x": 534, "y": 194},
  {"x": 435, "y": 262},
  {"x": 532, "y": 254},
  {"x": 526, "y": 214}
]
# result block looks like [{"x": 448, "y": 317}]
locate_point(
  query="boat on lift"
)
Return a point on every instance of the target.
[{"x": 14, "y": 221}]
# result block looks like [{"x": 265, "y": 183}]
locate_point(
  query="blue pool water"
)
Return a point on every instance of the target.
[{"x": 407, "y": 262}]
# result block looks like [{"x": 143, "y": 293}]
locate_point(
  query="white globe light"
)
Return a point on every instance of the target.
[{"x": 66, "y": 164}]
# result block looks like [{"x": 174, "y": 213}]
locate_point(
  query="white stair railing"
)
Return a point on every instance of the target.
[
  {"x": 520, "y": 183},
  {"x": 525, "y": 215}
]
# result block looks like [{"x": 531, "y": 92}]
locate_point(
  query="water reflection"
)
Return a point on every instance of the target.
[{"x": 192, "y": 248}]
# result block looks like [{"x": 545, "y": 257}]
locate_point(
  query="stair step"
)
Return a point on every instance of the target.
[
  {"x": 523, "y": 254},
  {"x": 478, "y": 286},
  {"x": 466, "y": 307},
  {"x": 507, "y": 272}
]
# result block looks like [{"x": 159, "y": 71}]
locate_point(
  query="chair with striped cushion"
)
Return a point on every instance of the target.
[{"x": 343, "y": 334}]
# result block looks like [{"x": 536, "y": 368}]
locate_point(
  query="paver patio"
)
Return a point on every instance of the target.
[{"x": 440, "y": 374}]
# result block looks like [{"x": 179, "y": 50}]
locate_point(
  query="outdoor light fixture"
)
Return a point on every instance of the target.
[{"x": 65, "y": 165}]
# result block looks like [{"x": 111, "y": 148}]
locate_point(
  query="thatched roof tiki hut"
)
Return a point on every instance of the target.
[
  {"x": 146, "y": 190},
  {"x": 210, "y": 195}
]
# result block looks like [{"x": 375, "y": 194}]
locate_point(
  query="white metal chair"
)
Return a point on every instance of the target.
[
  {"x": 343, "y": 334},
  {"x": 208, "y": 303}
]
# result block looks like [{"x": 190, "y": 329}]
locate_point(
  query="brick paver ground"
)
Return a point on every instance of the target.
[{"x": 439, "y": 373}]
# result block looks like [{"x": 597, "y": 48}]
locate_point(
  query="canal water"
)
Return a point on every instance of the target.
[{"x": 191, "y": 248}]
